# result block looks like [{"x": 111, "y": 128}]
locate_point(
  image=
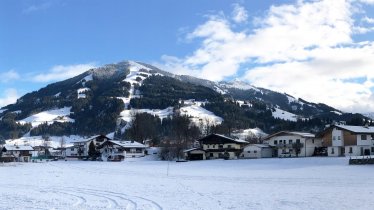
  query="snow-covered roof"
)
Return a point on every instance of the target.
[
  {"x": 18, "y": 148},
  {"x": 259, "y": 145},
  {"x": 128, "y": 144},
  {"x": 357, "y": 129},
  {"x": 223, "y": 137},
  {"x": 302, "y": 134},
  {"x": 192, "y": 149}
]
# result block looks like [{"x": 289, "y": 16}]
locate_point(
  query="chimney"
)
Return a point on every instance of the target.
[{"x": 366, "y": 125}]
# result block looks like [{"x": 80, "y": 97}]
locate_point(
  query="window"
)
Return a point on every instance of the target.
[
  {"x": 72, "y": 149},
  {"x": 229, "y": 146},
  {"x": 220, "y": 146},
  {"x": 249, "y": 151},
  {"x": 332, "y": 151},
  {"x": 338, "y": 137},
  {"x": 207, "y": 146},
  {"x": 298, "y": 141},
  {"x": 290, "y": 141},
  {"x": 214, "y": 146},
  {"x": 255, "y": 151},
  {"x": 372, "y": 149},
  {"x": 363, "y": 137},
  {"x": 211, "y": 154},
  {"x": 275, "y": 142},
  {"x": 350, "y": 150},
  {"x": 280, "y": 141},
  {"x": 312, "y": 141}
]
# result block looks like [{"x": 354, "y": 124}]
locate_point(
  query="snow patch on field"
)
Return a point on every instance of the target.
[
  {"x": 81, "y": 92},
  {"x": 200, "y": 115},
  {"x": 38, "y": 140},
  {"x": 251, "y": 132},
  {"x": 127, "y": 115},
  {"x": 336, "y": 112},
  {"x": 284, "y": 115},
  {"x": 50, "y": 116}
]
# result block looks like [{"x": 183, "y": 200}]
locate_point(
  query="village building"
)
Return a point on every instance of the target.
[
  {"x": 348, "y": 140},
  {"x": 195, "y": 154},
  {"x": 112, "y": 150},
  {"x": 80, "y": 148},
  {"x": 257, "y": 151},
  {"x": 11, "y": 153},
  {"x": 216, "y": 146},
  {"x": 293, "y": 144}
]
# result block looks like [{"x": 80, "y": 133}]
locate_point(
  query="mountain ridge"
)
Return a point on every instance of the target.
[{"x": 109, "y": 90}]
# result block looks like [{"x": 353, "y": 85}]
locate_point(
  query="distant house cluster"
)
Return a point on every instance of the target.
[
  {"x": 98, "y": 147},
  {"x": 336, "y": 140}
]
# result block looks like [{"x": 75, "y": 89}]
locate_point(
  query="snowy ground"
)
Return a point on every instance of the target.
[{"x": 303, "y": 183}]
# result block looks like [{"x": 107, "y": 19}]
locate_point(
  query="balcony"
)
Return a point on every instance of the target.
[{"x": 289, "y": 145}]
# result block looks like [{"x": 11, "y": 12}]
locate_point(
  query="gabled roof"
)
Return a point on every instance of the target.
[
  {"x": 221, "y": 139},
  {"x": 192, "y": 149},
  {"x": 18, "y": 148},
  {"x": 128, "y": 144},
  {"x": 90, "y": 139},
  {"x": 357, "y": 129},
  {"x": 301, "y": 134}
]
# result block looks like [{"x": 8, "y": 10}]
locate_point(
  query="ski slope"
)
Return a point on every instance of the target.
[
  {"x": 284, "y": 115},
  {"x": 282, "y": 184}
]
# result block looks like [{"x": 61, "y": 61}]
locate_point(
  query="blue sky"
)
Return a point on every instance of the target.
[{"x": 319, "y": 50}]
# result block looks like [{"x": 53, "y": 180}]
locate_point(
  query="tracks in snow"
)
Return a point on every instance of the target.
[{"x": 72, "y": 198}]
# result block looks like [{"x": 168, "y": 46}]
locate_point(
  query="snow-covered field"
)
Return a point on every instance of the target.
[
  {"x": 50, "y": 116},
  {"x": 284, "y": 115},
  {"x": 300, "y": 183}
]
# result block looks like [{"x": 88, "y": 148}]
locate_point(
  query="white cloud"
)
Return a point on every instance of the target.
[
  {"x": 307, "y": 46},
  {"x": 367, "y": 1},
  {"x": 239, "y": 14},
  {"x": 9, "y": 76},
  {"x": 39, "y": 6},
  {"x": 368, "y": 20},
  {"x": 10, "y": 96},
  {"x": 61, "y": 72}
]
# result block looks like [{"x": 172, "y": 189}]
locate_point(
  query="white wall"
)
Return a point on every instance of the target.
[
  {"x": 337, "y": 138},
  {"x": 337, "y": 151},
  {"x": 367, "y": 142}
]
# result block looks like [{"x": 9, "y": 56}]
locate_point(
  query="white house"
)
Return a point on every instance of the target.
[
  {"x": 288, "y": 143},
  {"x": 80, "y": 148},
  {"x": 219, "y": 146},
  {"x": 17, "y": 153},
  {"x": 112, "y": 150},
  {"x": 348, "y": 140},
  {"x": 257, "y": 151}
]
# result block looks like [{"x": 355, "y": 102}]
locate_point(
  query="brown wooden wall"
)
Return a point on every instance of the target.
[
  {"x": 327, "y": 139},
  {"x": 349, "y": 138}
]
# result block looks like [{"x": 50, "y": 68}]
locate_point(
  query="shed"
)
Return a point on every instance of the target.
[
  {"x": 257, "y": 151},
  {"x": 194, "y": 154}
]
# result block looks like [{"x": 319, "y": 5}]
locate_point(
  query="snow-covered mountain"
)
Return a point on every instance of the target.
[{"x": 104, "y": 98}]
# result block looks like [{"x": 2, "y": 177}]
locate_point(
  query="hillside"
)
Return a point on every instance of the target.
[{"x": 106, "y": 100}]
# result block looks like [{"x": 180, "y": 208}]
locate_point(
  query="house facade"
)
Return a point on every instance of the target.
[
  {"x": 112, "y": 150},
  {"x": 219, "y": 146},
  {"x": 293, "y": 144},
  {"x": 17, "y": 153},
  {"x": 257, "y": 151},
  {"x": 80, "y": 148},
  {"x": 195, "y": 154},
  {"x": 347, "y": 140}
]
